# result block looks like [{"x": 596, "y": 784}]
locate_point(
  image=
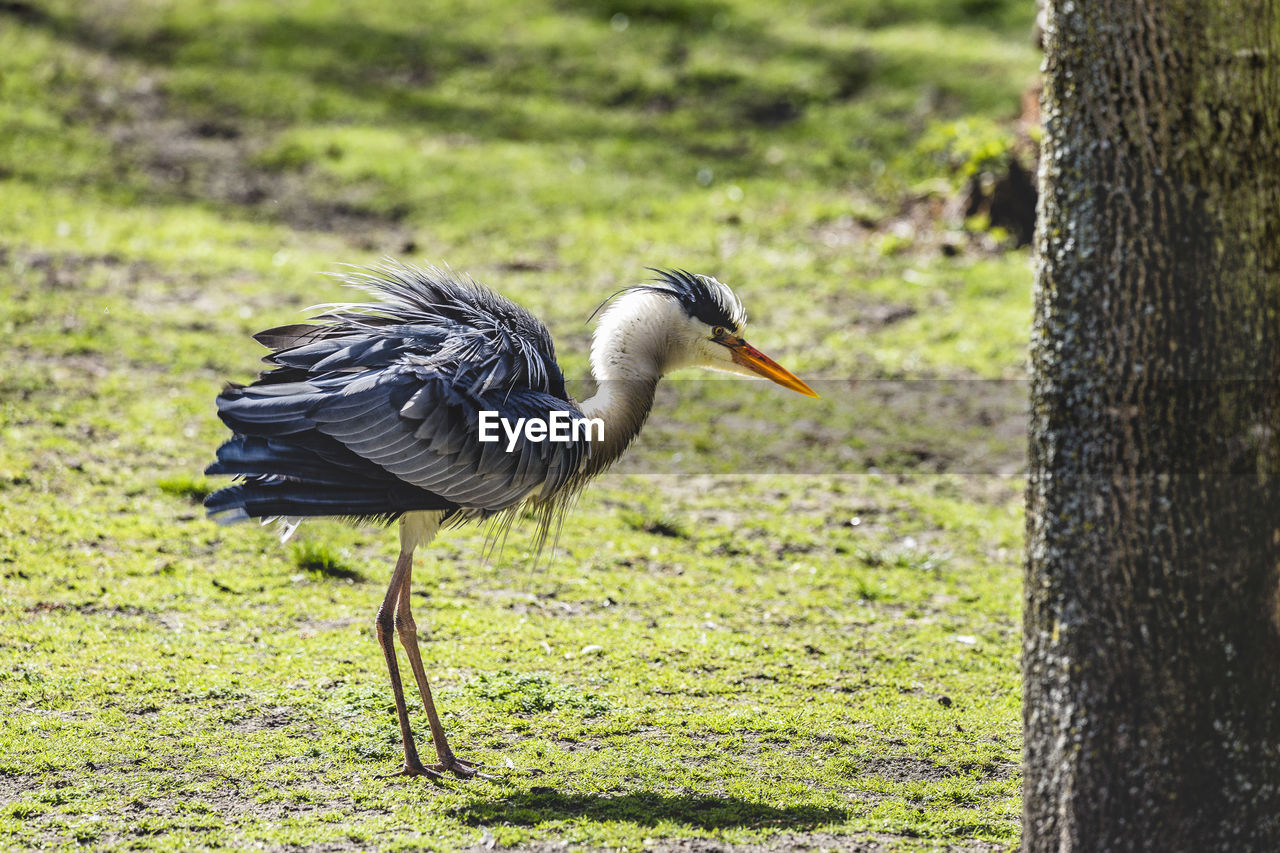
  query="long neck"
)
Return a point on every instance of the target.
[
  {"x": 623, "y": 405},
  {"x": 629, "y": 353}
]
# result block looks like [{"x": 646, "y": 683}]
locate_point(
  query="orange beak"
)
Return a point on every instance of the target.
[{"x": 756, "y": 361}]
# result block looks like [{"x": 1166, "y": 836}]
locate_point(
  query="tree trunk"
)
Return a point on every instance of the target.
[{"x": 1151, "y": 650}]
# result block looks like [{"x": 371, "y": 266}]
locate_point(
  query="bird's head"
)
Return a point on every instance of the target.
[{"x": 681, "y": 320}]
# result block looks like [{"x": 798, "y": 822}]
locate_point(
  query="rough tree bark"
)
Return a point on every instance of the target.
[{"x": 1151, "y": 651}]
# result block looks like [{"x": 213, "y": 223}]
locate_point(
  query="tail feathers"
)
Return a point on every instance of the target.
[
  {"x": 271, "y": 411},
  {"x": 308, "y": 474},
  {"x": 273, "y": 497},
  {"x": 261, "y": 456}
]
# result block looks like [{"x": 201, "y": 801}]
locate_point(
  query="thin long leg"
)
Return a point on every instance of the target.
[
  {"x": 407, "y": 630},
  {"x": 385, "y": 624}
]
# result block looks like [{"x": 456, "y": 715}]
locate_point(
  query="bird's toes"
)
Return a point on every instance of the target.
[
  {"x": 416, "y": 769},
  {"x": 463, "y": 769}
]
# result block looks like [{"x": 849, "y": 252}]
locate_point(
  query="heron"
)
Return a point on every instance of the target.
[{"x": 372, "y": 411}]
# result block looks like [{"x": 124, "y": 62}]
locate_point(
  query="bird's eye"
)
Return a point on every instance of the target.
[{"x": 719, "y": 332}]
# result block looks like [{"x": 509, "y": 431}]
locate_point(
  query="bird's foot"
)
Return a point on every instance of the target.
[
  {"x": 456, "y": 766},
  {"x": 415, "y": 768},
  {"x": 461, "y": 769}
]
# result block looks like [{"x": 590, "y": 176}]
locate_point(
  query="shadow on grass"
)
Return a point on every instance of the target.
[{"x": 544, "y": 805}]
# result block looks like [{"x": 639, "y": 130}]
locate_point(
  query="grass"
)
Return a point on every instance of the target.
[{"x": 806, "y": 630}]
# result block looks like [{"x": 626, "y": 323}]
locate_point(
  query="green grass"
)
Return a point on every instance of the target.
[{"x": 743, "y": 655}]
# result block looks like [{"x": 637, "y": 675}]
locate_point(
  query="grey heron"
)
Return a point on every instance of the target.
[{"x": 373, "y": 411}]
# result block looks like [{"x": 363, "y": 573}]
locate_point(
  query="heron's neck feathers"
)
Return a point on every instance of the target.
[
  {"x": 634, "y": 337},
  {"x": 630, "y": 351},
  {"x": 623, "y": 405}
]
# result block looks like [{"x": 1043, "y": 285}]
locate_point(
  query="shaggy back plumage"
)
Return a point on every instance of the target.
[{"x": 372, "y": 408}]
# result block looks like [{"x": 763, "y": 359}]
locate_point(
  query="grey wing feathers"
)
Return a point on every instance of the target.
[
  {"x": 440, "y": 451},
  {"x": 481, "y": 329},
  {"x": 399, "y": 385}
]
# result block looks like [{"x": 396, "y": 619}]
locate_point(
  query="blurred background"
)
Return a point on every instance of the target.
[
  {"x": 841, "y": 154},
  {"x": 176, "y": 175}
]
